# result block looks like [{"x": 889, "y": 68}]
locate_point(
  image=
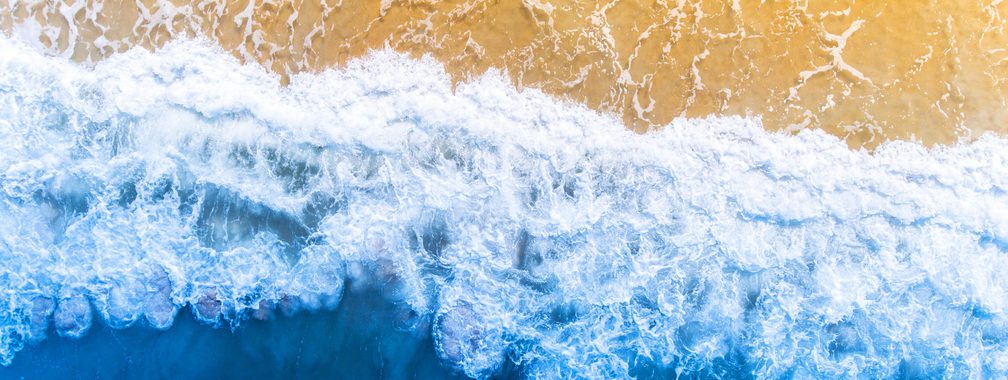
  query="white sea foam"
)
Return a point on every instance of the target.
[{"x": 523, "y": 227}]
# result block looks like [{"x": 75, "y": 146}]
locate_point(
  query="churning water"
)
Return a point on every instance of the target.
[{"x": 477, "y": 231}]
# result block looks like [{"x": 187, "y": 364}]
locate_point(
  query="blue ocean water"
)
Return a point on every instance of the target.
[
  {"x": 304, "y": 345},
  {"x": 154, "y": 200}
]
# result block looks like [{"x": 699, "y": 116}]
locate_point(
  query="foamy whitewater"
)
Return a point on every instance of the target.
[{"x": 509, "y": 226}]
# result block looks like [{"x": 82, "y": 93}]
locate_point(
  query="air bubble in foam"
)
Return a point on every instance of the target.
[
  {"x": 72, "y": 317},
  {"x": 158, "y": 308},
  {"x": 41, "y": 310},
  {"x": 122, "y": 304},
  {"x": 463, "y": 339},
  {"x": 208, "y": 308}
]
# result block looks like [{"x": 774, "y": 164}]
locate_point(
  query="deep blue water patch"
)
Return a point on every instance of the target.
[{"x": 358, "y": 340}]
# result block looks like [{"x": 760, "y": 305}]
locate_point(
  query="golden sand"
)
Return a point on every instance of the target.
[{"x": 866, "y": 71}]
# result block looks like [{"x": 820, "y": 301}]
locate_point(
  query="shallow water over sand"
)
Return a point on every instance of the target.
[{"x": 930, "y": 71}]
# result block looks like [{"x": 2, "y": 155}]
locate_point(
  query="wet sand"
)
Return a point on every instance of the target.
[{"x": 929, "y": 71}]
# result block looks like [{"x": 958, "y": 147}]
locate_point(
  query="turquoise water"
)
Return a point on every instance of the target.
[{"x": 162, "y": 213}]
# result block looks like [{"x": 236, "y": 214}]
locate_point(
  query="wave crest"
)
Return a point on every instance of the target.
[{"x": 512, "y": 227}]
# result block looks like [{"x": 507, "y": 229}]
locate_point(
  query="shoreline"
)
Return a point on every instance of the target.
[{"x": 867, "y": 76}]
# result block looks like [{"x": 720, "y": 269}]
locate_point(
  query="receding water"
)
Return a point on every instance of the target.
[{"x": 865, "y": 71}]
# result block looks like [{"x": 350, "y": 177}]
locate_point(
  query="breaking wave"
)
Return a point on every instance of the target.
[{"x": 513, "y": 228}]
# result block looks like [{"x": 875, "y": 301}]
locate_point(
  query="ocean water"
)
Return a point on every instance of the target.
[
  {"x": 182, "y": 211},
  {"x": 298, "y": 346}
]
